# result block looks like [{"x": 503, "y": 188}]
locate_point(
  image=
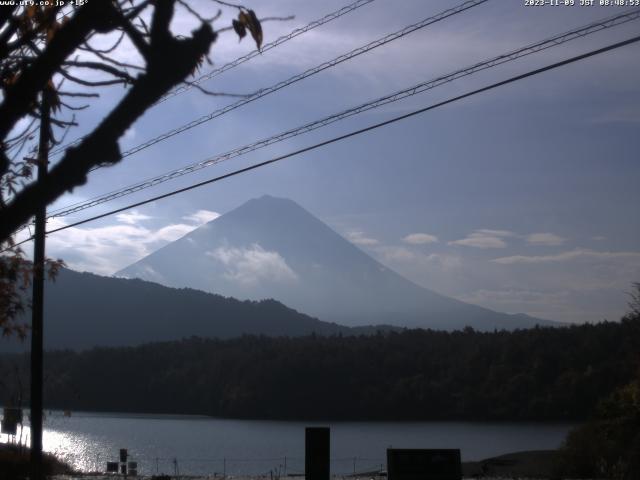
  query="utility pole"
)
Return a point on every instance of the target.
[{"x": 37, "y": 307}]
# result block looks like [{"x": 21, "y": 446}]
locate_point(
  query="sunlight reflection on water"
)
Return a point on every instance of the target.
[
  {"x": 75, "y": 449},
  {"x": 206, "y": 446}
]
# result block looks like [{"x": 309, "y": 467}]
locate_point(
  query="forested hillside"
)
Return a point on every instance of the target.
[
  {"x": 83, "y": 310},
  {"x": 542, "y": 374}
]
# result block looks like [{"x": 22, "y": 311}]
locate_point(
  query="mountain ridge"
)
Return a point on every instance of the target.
[
  {"x": 84, "y": 310},
  {"x": 273, "y": 248}
]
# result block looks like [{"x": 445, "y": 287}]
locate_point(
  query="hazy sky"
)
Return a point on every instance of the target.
[{"x": 523, "y": 199}]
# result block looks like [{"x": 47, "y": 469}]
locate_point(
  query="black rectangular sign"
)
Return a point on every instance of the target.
[{"x": 423, "y": 464}]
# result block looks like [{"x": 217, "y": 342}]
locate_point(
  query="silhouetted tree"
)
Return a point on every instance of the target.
[
  {"x": 410, "y": 375},
  {"x": 634, "y": 303},
  {"x": 608, "y": 445},
  {"x": 45, "y": 54}
]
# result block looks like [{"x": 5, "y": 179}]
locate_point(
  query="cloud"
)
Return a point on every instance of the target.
[
  {"x": 106, "y": 249},
  {"x": 359, "y": 238},
  {"x": 545, "y": 239},
  {"x": 508, "y": 299},
  {"x": 171, "y": 232},
  {"x": 420, "y": 238},
  {"x": 497, "y": 233},
  {"x": 576, "y": 254},
  {"x": 250, "y": 266},
  {"x": 201, "y": 216},
  {"x": 148, "y": 273},
  {"x": 485, "y": 238},
  {"x": 132, "y": 217},
  {"x": 402, "y": 255},
  {"x": 477, "y": 240},
  {"x": 556, "y": 303}
]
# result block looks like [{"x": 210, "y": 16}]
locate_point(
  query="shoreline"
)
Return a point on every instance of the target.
[
  {"x": 524, "y": 464},
  {"x": 530, "y": 464},
  {"x": 57, "y": 412}
]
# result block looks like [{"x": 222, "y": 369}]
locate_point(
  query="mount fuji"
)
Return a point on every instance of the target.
[{"x": 273, "y": 248}]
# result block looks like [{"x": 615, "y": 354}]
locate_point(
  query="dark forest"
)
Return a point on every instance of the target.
[{"x": 536, "y": 374}]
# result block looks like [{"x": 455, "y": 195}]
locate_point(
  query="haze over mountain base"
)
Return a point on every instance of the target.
[
  {"x": 83, "y": 310},
  {"x": 273, "y": 248}
]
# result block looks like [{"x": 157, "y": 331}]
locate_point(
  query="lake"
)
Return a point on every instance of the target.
[{"x": 202, "y": 445}]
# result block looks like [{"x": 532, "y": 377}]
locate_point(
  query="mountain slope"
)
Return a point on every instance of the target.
[
  {"x": 273, "y": 248},
  {"x": 83, "y": 310}
]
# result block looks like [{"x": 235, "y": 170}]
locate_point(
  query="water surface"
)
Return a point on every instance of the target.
[{"x": 204, "y": 446}]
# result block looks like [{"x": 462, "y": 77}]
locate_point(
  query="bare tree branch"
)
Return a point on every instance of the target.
[
  {"x": 78, "y": 94},
  {"x": 106, "y": 51},
  {"x": 91, "y": 83},
  {"x": 101, "y": 66},
  {"x": 33, "y": 79},
  {"x": 169, "y": 61}
]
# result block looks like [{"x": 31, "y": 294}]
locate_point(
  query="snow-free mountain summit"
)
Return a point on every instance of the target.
[{"x": 273, "y": 248}]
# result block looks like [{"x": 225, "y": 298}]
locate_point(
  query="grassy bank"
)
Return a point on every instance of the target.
[{"x": 14, "y": 463}]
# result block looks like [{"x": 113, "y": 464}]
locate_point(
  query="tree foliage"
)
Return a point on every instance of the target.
[
  {"x": 634, "y": 303},
  {"x": 60, "y": 54},
  {"x": 536, "y": 374},
  {"x": 608, "y": 445}
]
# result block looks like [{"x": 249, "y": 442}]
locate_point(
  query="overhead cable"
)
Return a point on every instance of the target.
[
  {"x": 245, "y": 58},
  {"x": 353, "y": 133},
  {"x": 301, "y": 76},
  {"x": 394, "y": 97},
  {"x": 254, "y": 53}
]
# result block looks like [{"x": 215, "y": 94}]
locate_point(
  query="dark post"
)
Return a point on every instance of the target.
[
  {"x": 316, "y": 453},
  {"x": 38, "y": 299}
]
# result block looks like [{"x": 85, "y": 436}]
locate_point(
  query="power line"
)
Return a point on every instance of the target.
[
  {"x": 405, "y": 93},
  {"x": 354, "y": 133},
  {"x": 245, "y": 58},
  {"x": 254, "y": 53},
  {"x": 301, "y": 76},
  {"x": 265, "y": 91}
]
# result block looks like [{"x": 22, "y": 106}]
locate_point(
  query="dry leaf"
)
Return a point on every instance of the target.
[
  {"x": 239, "y": 28},
  {"x": 247, "y": 20},
  {"x": 255, "y": 28}
]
